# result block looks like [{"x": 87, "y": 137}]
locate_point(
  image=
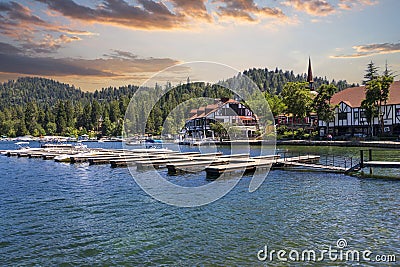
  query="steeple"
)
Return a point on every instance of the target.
[{"x": 309, "y": 75}]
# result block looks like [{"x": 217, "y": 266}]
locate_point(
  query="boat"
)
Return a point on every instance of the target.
[
  {"x": 22, "y": 145},
  {"x": 133, "y": 143},
  {"x": 198, "y": 142},
  {"x": 80, "y": 150},
  {"x": 153, "y": 143},
  {"x": 67, "y": 157}
]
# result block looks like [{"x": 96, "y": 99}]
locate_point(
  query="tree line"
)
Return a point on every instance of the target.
[{"x": 39, "y": 106}]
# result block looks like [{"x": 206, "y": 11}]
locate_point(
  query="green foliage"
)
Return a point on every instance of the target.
[
  {"x": 297, "y": 98},
  {"x": 273, "y": 81},
  {"x": 219, "y": 129},
  {"x": 322, "y": 104},
  {"x": 376, "y": 93},
  {"x": 275, "y": 103},
  {"x": 39, "y": 106}
]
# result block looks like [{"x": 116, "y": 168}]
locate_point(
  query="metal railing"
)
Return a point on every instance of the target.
[{"x": 326, "y": 160}]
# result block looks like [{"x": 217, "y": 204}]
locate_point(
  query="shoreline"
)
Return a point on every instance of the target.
[{"x": 377, "y": 144}]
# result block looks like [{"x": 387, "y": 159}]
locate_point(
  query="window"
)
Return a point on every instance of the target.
[
  {"x": 342, "y": 116},
  {"x": 397, "y": 111},
  {"x": 356, "y": 115},
  {"x": 363, "y": 115}
]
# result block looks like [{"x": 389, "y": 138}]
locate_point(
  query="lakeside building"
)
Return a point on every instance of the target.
[
  {"x": 309, "y": 123},
  {"x": 226, "y": 111},
  {"x": 350, "y": 118}
]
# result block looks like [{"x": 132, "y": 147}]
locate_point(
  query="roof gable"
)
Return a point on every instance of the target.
[{"x": 353, "y": 96}]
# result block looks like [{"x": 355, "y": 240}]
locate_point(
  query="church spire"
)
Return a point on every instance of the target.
[{"x": 309, "y": 75}]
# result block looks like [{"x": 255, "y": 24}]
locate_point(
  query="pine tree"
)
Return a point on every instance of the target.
[{"x": 371, "y": 73}]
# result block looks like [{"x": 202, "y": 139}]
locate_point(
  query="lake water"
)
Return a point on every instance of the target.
[{"x": 76, "y": 214}]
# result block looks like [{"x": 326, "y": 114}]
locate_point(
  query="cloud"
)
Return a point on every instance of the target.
[
  {"x": 147, "y": 15},
  {"x": 18, "y": 12},
  {"x": 20, "y": 24},
  {"x": 48, "y": 44},
  {"x": 372, "y": 49},
  {"x": 118, "y": 54},
  {"x": 350, "y": 4},
  {"x": 125, "y": 66},
  {"x": 45, "y": 66},
  {"x": 74, "y": 32},
  {"x": 246, "y": 10},
  {"x": 192, "y": 8},
  {"x": 9, "y": 49},
  {"x": 312, "y": 7},
  {"x": 152, "y": 15},
  {"x": 119, "y": 64}
]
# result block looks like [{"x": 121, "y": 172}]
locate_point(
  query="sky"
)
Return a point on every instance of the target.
[{"x": 93, "y": 44}]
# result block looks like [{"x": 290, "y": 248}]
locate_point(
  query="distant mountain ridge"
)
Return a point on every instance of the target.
[{"x": 45, "y": 91}]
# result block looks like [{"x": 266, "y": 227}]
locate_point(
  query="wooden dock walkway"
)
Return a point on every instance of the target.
[
  {"x": 213, "y": 164},
  {"x": 382, "y": 164},
  {"x": 261, "y": 162},
  {"x": 319, "y": 167}
]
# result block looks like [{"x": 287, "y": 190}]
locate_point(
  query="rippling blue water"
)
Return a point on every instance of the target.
[{"x": 63, "y": 214}]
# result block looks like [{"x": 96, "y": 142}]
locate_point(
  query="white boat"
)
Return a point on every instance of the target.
[
  {"x": 22, "y": 145},
  {"x": 63, "y": 158},
  {"x": 80, "y": 146},
  {"x": 67, "y": 157},
  {"x": 133, "y": 143}
]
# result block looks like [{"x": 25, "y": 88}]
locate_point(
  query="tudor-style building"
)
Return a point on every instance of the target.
[
  {"x": 223, "y": 110},
  {"x": 350, "y": 119}
]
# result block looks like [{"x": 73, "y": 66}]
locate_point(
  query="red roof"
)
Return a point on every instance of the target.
[
  {"x": 354, "y": 95},
  {"x": 246, "y": 118},
  {"x": 232, "y": 101}
]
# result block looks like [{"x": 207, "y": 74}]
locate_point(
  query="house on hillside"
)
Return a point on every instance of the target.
[
  {"x": 225, "y": 111},
  {"x": 350, "y": 118}
]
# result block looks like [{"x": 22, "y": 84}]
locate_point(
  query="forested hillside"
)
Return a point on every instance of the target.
[
  {"x": 39, "y": 106},
  {"x": 273, "y": 81}
]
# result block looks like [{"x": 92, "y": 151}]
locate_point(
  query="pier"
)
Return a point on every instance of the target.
[{"x": 213, "y": 164}]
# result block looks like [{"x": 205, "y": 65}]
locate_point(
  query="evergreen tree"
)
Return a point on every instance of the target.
[
  {"x": 61, "y": 118},
  {"x": 371, "y": 73},
  {"x": 376, "y": 95}
]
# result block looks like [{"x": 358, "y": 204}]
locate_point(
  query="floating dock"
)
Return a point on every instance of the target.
[{"x": 213, "y": 164}]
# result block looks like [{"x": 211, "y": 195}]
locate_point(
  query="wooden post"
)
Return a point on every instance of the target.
[
  {"x": 361, "y": 159},
  {"x": 370, "y": 159}
]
